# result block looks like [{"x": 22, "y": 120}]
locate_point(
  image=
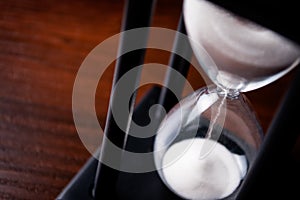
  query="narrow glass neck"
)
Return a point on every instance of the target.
[{"x": 229, "y": 93}]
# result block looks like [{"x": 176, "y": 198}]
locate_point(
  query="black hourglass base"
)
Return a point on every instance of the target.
[
  {"x": 149, "y": 186},
  {"x": 132, "y": 186},
  {"x": 146, "y": 186}
]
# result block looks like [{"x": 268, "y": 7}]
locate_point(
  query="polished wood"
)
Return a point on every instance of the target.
[{"x": 42, "y": 45}]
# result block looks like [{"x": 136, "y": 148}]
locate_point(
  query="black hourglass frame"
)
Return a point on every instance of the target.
[{"x": 270, "y": 173}]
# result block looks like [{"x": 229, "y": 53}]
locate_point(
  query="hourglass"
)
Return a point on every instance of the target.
[{"x": 208, "y": 141}]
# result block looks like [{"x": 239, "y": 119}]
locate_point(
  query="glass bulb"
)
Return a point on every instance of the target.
[
  {"x": 234, "y": 52},
  {"x": 198, "y": 159}
]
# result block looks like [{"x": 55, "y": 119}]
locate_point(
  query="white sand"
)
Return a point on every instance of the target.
[{"x": 213, "y": 177}]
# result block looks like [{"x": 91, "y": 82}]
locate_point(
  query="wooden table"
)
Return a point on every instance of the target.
[{"x": 42, "y": 45}]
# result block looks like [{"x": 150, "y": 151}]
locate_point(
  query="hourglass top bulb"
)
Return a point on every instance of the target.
[{"x": 244, "y": 55}]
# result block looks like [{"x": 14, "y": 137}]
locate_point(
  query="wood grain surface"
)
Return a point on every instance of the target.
[{"x": 42, "y": 45}]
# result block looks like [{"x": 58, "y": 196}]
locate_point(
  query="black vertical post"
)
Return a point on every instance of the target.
[
  {"x": 178, "y": 65},
  {"x": 167, "y": 99},
  {"x": 269, "y": 168},
  {"x": 137, "y": 14},
  {"x": 148, "y": 185},
  {"x": 181, "y": 65}
]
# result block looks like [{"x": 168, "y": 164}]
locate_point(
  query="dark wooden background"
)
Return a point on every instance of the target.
[{"x": 42, "y": 45}]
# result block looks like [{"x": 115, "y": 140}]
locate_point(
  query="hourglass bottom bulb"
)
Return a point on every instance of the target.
[{"x": 213, "y": 176}]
